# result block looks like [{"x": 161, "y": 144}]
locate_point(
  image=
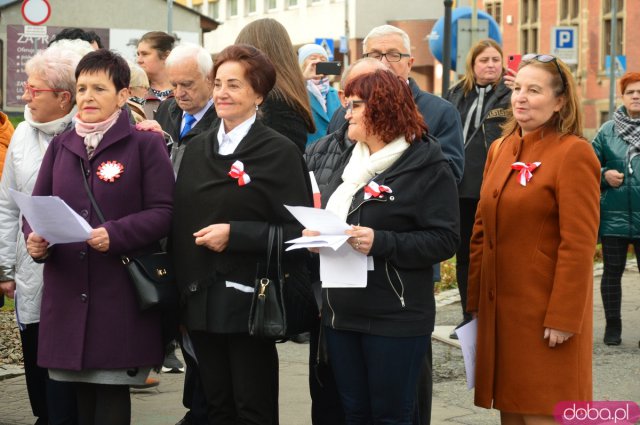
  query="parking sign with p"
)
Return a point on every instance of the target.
[{"x": 564, "y": 44}]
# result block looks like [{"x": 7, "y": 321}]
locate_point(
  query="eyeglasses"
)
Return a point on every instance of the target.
[
  {"x": 352, "y": 103},
  {"x": 33, "y": 92},
  {"x": 390, "y": 56},
  {"x": 547, "y": 59}
]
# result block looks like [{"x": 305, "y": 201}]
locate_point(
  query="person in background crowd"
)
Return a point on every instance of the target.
[
  {"x": 138, "y": 88},
  {"x": 287, "y": 108},
  {"x": 531, "y": 269},
  {"x": 6, "y": 131},
  {"x": 153, "y": 49},
  {"x": 617, "y": 146},
  {"x": 184, "y": 116},
  {"x": 78, "y": 34},
  {"x": 49, "y": 93},
  {"x": 220, "y": 231},
  {"x": 92, "y": 331},
  {"x": 483, "y": 101},
  {"x": 390, "y": 321},
  {"x": 324, "y": 98}
]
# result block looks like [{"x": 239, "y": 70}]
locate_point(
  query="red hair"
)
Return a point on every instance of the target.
[
  {"x": 628, "y": 78},
  {"x": 390, "y": 109}
]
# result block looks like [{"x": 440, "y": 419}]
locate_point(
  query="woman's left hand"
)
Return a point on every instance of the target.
[
  {"x": 215, "y": 237},
  {"x": 99, "y": 239},
  {"x": 361, "y": 238},
  {"x": 556, "y": 336}
]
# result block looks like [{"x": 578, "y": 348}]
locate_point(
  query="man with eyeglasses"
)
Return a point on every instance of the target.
[{"x": 392, "y": 47}]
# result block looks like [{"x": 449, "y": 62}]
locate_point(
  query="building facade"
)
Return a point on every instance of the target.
[{"x": 527, "y": 27}]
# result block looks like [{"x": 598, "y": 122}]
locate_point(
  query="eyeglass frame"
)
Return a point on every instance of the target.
[
  {"x": 33, "y": 92},
  {"x": 348, "y": 109},
  {"x": 544, "y": 58},
  {"x": 384, "y": 55}
]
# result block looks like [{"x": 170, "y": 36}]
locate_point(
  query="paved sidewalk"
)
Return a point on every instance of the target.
[{"x": 616, "y": 373}]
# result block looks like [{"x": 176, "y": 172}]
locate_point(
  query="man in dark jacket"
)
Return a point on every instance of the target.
[
  {"x": 182, "y": 117},
  {"x": 391, "y": 46}
]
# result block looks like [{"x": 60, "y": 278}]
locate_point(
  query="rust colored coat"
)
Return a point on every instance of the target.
[
  {"x": 6, "y": 131},
  {"x": 532, "y": 268}
]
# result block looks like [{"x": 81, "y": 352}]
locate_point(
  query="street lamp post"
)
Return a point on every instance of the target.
[
  {"x": 613, "y": 61},
  {"x": 446, "y": 47}
]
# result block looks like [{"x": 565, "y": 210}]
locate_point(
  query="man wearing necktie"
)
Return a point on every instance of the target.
[
  {"x": 182, "y": 117},
  {"x": 191, "y": 109}
]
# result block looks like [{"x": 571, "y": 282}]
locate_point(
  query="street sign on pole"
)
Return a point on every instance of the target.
[
  {"x": 36, "y": 12},
  {"x": 620, "y": 65},
  {"x": 564, "y": 44},
  {"x": 326, "y": 44}
]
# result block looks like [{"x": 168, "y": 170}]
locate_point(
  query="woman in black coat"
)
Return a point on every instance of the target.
[
  {"x": 483, "y": 100},
  {"x": 232, "y": 185},
  {"x": 399, "y": 194}
]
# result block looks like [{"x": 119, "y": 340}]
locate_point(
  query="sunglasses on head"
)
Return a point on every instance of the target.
[{"x": 547, "y": 59}]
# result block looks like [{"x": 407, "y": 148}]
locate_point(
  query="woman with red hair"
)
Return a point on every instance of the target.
[
  {"x": 617, "y": 146},
  {"x": 397, "y": 191}
]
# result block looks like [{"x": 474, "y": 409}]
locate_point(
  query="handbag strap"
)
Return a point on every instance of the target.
[
  {"x": 90, "y": 193},
  {"x": 279, "y": 248},
  {"x": 269, "y": 247}
]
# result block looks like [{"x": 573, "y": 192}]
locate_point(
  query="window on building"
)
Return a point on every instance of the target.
[
  {"x": 271, "y": 4},
  {"x": 494, "y": 8},
  {"x": 250, "y": 6},
  {"x": 607, "y": 19},
  {"x": 529, "y": 24},
  {"x": 292, "y": 3},
  {"x": 232, "y": 8},
  {"x": 214, "y": 11},
  {"x": 569, "y": 12}
]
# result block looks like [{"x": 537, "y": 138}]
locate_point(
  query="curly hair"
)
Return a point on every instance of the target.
[{"x": 390, "y": 109}]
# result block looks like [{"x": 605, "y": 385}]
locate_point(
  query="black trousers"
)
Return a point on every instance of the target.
[
  {"x": 614, "y": 253},
  {"x": 468, "y": 209},
  {"x": 239, "y": 374},
  {"x": 193, "y": 397},
  {"x": 51, "y": 401}
]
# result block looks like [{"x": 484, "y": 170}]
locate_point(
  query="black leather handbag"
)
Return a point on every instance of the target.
[
  {"x": 151, "y": 274},
  {"x": 283, "y": 304}
]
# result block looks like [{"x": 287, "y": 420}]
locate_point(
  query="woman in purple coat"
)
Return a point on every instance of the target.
[{"x": 92, "y": 332}]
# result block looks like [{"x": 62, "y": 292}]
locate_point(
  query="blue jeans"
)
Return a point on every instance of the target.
[{"x": 376, "y": 376}]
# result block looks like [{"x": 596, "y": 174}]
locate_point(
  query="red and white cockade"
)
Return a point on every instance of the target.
[
  {"x": 526, "y": 171},
  {"x": 109, "y": 171},
  {"x": 375, "y": 190},
  {"x": 237, "y": 172}
]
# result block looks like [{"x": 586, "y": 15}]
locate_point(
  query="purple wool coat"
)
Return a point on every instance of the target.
[{"x": 89, "y": 316}]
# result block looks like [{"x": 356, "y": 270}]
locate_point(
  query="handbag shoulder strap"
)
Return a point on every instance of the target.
[
  {"x": 270, "y": 247},
  {"x": 90, "y": 193}
]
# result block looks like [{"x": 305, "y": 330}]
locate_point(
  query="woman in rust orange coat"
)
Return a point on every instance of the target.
[{"x": 531, "y": 270}]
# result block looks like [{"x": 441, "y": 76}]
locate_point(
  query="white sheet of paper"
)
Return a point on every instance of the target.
[
  {"x": 324, "y": 221},
  {"x": 340, "y": 265},
  {"x": 52, "y": 218},
  {"x": 467, "y": 335},
  {"x": 343, "y": 268},
  {"x": 331, "y": 241}
]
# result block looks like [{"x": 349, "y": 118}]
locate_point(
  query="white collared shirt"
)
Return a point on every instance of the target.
[
  {"x": 198, "y": 115},
  {"x": 228, "y": 142}
]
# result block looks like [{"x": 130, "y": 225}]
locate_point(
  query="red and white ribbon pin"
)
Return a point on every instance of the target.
[
  {"x": 109, "y": 171},
  {"x": 237, "y": 172},
  {"x": 526, "y": 171},
  {"x": 374, "y": 189}
]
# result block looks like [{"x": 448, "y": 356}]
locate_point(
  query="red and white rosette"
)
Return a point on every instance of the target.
[
  {"x": 109, "y": 171},
  {"x": 375, "y": 190},
  {"x": 237, "y": 172},
  {"x": 526, "y": 171}
]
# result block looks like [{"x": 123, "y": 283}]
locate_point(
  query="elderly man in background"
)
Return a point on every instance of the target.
[{"x": 181, "y": 118}]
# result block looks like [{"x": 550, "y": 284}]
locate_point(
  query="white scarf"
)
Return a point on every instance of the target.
[
  {"x": 47, "y": 130},
  {"x": 315, "y": 91},
  {"x": 362, "y": 167}
]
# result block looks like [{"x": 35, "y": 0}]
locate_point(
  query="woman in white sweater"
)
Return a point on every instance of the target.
[{"x": 49, "y": 93}]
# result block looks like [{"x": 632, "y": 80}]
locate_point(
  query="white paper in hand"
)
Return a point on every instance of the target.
[
  {"x": 467, "y": 335},
  {"x": 52, "y": 218}
]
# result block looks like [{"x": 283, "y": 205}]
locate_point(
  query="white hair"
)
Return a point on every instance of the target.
[
  {"x": 78, "y": 46},
  {"x": 384, "y": 30},
  {"x": 188, "y": 51},
  {"x": 138, "y": 76}
]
